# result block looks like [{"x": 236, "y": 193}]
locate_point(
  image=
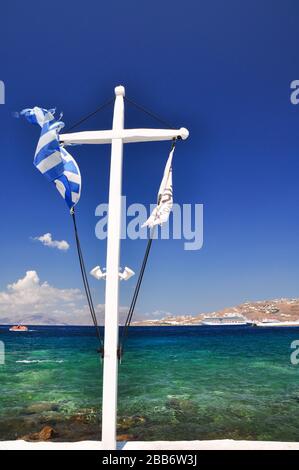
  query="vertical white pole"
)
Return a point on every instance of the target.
[{"x": 109, "y": 406}]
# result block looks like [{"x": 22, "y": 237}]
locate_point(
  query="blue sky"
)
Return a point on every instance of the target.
[{"x": 222, "y": 69}]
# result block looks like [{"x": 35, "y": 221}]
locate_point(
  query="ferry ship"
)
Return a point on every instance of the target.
[
  {"x": 232, "y": 320},
  {"x": 268, "y": 323}
]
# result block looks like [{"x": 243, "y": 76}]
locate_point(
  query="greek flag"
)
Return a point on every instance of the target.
[
  {"x": 51, "y": 159},
  {"x": 161, "y": 212}
]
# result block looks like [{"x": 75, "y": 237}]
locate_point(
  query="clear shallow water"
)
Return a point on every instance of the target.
[{"x": 175, "y": 383}]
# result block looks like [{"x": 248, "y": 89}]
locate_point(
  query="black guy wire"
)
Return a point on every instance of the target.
[
  {"x": 137, "y": 288},
  {"x": 88, "y": 116},
  {"x": 86, "y": 283},
  {"x": 134, "y": 299},
  {"x": 148, "y": 247},
  {"x": 150, "y": 113}
]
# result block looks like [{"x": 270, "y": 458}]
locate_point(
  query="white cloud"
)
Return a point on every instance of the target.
[
  {"x": 29, "y": 298},
  {"x": 47, "y": 240},
  {"x": 32, "y": 302}
]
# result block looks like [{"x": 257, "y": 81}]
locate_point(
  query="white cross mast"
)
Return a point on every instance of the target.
[{"x": 116, "y": 137}]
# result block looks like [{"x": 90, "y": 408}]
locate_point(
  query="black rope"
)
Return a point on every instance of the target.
[
  {"x": 134, "y": 299},
  {"x": 148, "y": 247},
  {"x": 138, "y": 285},
  {"x": 150, "y": 113},
  {"x": 86, "y": 285},
  {"x": 130, "y": 101},
  {"x": 100, "y": 108}
]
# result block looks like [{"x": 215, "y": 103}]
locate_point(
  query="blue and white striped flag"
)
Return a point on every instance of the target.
[{"x": 51, "y": 159}]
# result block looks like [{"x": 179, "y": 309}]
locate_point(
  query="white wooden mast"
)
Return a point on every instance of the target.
[{"x": 116, "y": 137}]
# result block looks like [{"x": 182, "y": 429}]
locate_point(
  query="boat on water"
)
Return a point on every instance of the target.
[
  {"x": 225, "y": 321},
  {"x": 269, "y": 323},
  {"x": 18, "y": 328}
]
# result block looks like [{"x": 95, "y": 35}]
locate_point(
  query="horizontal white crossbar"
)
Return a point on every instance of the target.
[{"x": 127, "y": 136}]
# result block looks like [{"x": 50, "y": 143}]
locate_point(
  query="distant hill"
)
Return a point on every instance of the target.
[
  {"x": 285, "y": 310},
  {"x": 277, "y": 309}
]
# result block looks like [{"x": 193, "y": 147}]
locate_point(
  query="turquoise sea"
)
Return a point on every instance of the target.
[{"x": 175, "y": 383}]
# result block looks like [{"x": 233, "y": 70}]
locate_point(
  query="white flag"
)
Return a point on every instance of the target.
[{"x": 165, "y": 197}]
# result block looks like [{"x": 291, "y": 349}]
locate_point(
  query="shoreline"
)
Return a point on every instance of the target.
[
  {"x": 161, "y": 323},
  {"x": 225, "y": 444}
]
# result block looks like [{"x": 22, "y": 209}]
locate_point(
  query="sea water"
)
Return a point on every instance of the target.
[{"x": 175, "y": 383}]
